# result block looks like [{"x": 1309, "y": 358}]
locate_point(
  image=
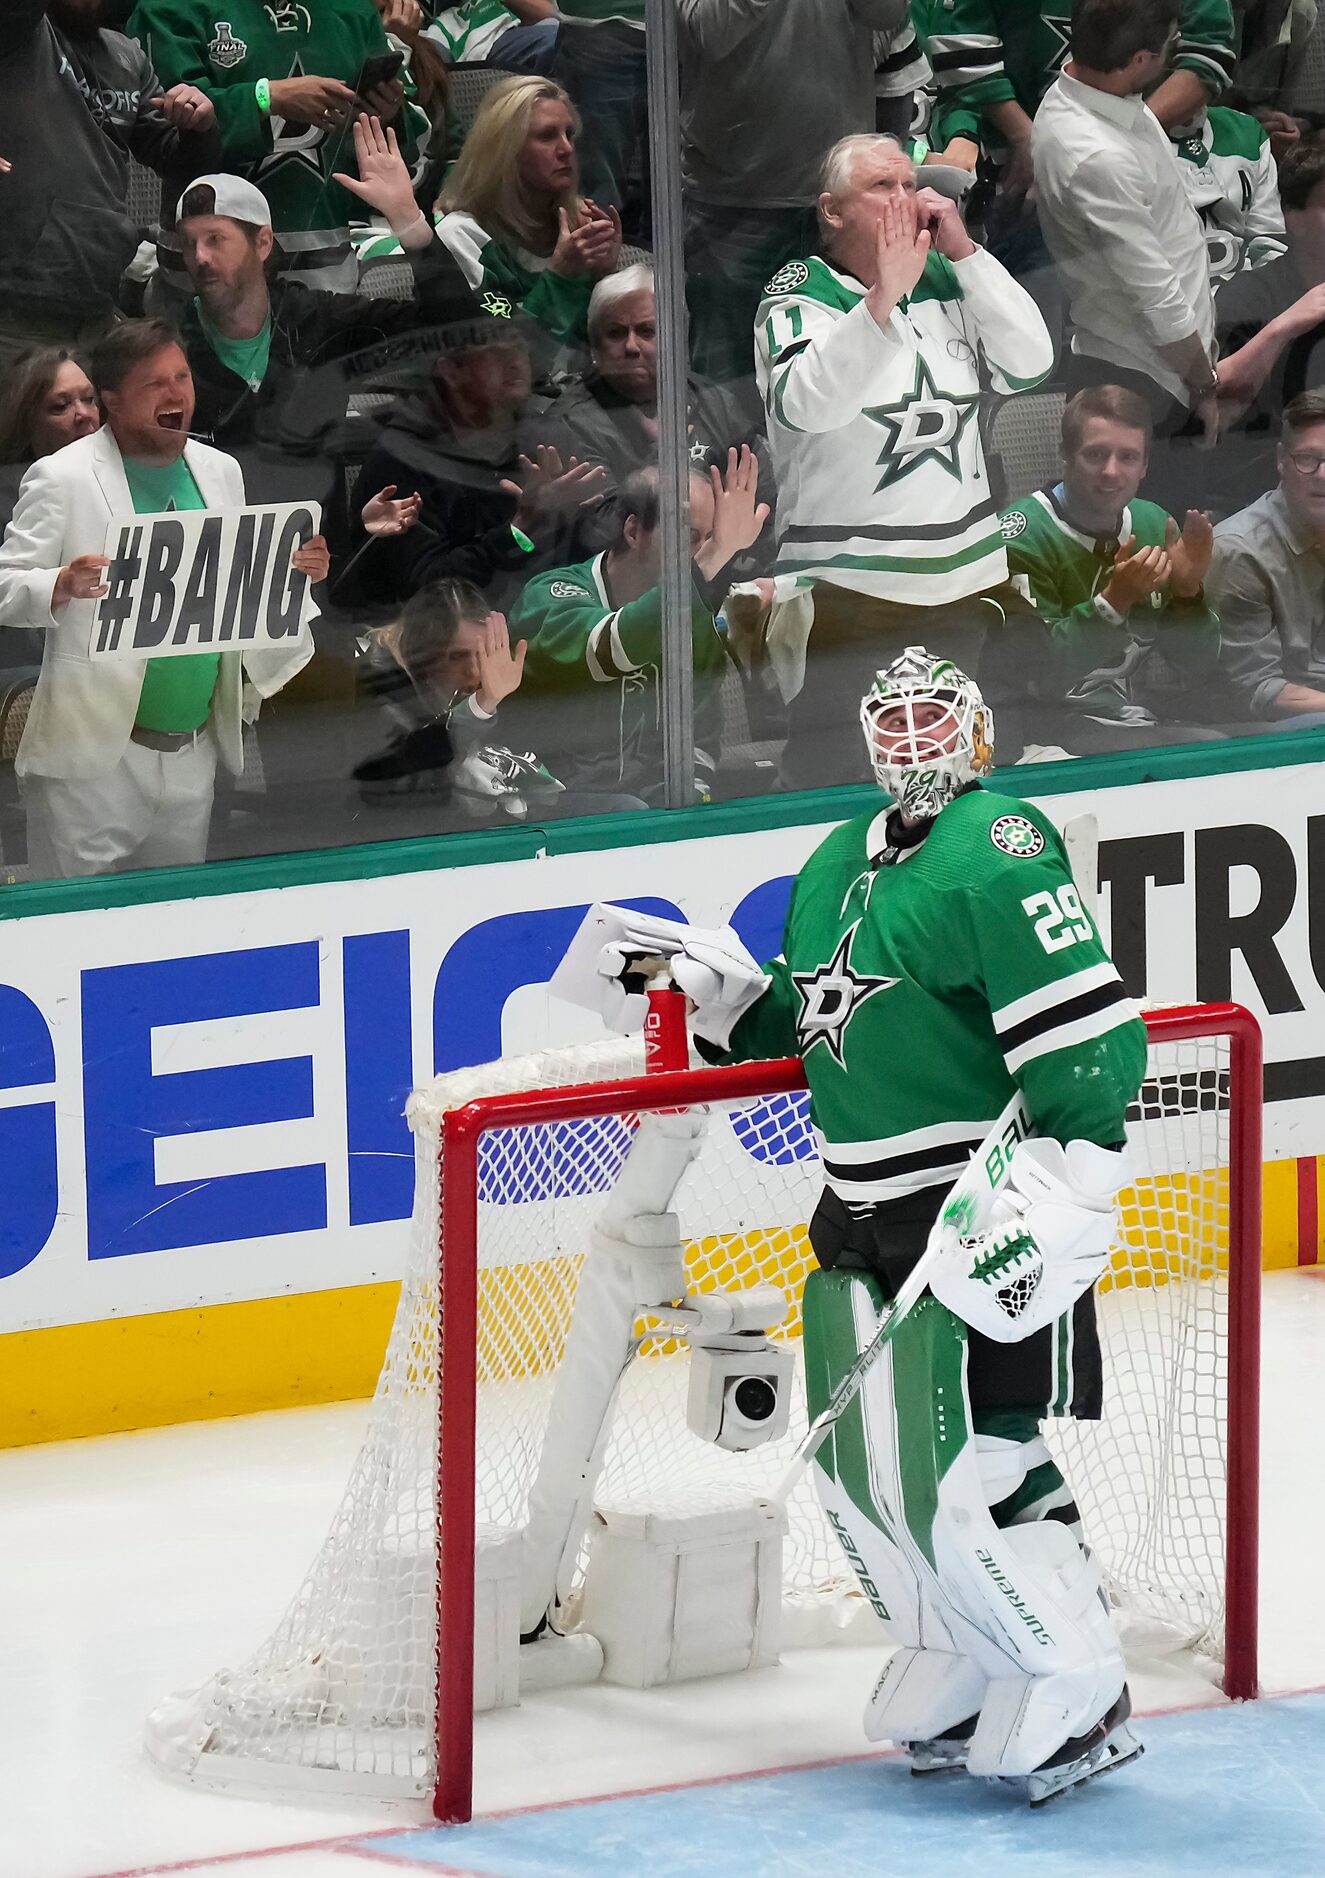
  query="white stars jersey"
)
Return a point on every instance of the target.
[{"x": 875, "y": 435}]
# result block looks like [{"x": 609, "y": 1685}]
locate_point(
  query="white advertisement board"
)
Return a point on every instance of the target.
[{"x": 201, "y": 1101}]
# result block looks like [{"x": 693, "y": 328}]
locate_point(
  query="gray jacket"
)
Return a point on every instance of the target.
[
  {"x": 74, "y": 109},
  {"x": 768, "y": 87}
]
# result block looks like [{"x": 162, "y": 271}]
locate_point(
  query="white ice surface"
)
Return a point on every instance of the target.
[{"x": 138, "y": 1564}]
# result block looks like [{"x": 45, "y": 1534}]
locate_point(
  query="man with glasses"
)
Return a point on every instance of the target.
[{"x": 1267, "y": 583}]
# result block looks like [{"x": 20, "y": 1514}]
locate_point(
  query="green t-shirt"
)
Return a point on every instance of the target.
[
  {"x": 246, "y": 358},
  {"x": 177, "y": 693}
]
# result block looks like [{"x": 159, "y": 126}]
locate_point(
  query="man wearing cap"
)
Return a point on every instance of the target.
[
  {"x": 286, "y": 79},
  {"x": 273, "y": 360}
]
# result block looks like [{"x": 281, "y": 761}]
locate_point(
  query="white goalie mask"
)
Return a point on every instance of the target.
[{"x": 928, "y": 730}]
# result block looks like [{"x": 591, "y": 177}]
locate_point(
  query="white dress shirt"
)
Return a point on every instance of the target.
[{"x": 1119, "y": 223}]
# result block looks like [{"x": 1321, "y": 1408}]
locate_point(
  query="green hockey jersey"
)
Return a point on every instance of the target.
[
  {"x": 1125, "y": 669},
  {"x": 874, "y": 432},
  {"x": 1229, "y": 172},
  {"x": 603, "y": 663},
  {"x": 919, "y": 990},
  {"x": 986, "y": 51},
  {"x": 516, "y": 277},
  {"x": 224, "y": 47}
]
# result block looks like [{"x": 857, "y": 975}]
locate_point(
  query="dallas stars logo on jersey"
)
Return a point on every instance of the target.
[
  {"x": 831, "y": 995},
  {"x": 925, "y": 426}
]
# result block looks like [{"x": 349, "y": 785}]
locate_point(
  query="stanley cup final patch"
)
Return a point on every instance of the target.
[
  {"x": 225, "y": 50},
  {"x": 1015, "y": 835}
]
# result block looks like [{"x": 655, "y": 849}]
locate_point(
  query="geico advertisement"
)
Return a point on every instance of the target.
[{"x": 202, "y": 1101}]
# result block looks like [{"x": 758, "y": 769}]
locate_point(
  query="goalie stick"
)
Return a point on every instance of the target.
[{"x": 965, "y": 1211}]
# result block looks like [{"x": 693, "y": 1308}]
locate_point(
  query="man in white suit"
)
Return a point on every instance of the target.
[{"x": 118, "y": 760}]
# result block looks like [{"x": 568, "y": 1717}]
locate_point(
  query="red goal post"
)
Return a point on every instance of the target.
[{"x": 462, "y": 1133}]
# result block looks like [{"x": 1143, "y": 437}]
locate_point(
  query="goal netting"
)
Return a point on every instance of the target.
[{"x": 344, "y": 1693}]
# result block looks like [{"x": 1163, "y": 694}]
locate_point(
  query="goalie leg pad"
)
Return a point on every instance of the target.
[
  {"x": 1027, "y": 1719},
  {"x": 900, "y": 1481}
]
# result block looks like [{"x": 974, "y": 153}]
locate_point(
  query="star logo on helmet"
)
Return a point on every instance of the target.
[
  {"x": 830, "y": 997},
  {"x": 926, "y": 426}
]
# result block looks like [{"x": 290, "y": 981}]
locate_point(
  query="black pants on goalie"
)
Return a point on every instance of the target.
[{"x": 1045, "y": 1369}]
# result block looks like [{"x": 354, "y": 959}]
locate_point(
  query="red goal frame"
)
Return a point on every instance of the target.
[{"x": 667, "y": 1086}]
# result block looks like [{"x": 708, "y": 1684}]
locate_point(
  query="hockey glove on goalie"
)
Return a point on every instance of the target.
[
  {"x": 1050, "y": 1237},
  {"x": 714, "y": 970}
]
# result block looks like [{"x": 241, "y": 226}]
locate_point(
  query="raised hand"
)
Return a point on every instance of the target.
[
  {"x": 500, "y": 667},
  {"x": 80, "y": 580},
  {"x": 738, "y": 518},
  {"x": 389, "y": 514},
  {"x": 313, "y": 559},
  {"x": 383, "y": 181},
  {"x": 546, "y": 487},
  {"x": 1137, "y": 573},
  {"x": 1189, "y": 553},
  {"x": 900, "y": 252},
  {"x": 186, "y": 108},
  {"x": 402, "y": 17}
]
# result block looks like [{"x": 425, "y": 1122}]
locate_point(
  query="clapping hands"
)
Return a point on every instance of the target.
[{"x": 592, "y": 247}]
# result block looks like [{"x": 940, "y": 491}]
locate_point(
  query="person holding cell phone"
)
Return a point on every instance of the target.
[{"x": 287, "y": 81}]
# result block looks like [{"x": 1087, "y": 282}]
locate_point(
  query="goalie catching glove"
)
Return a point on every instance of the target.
[{"x": 1051, "y": 1235}]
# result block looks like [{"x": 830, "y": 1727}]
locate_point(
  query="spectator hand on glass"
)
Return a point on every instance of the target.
[
  {"x": 500, "y": 666},
  {"x": 1137, "y": 573},
  {"x": 1189, "y": 553},
  {"x": 321, "y": 101},
  {"x": 186, "y": 108},
  {"x": 389, "y": 514},
  {"x": 313, "y": 559},
  {"x": 592, "y": 247},
  {"x": 543, "y": 487},
  {"x": 384, "y": 182},
  {"x": 738, "y": 518}
]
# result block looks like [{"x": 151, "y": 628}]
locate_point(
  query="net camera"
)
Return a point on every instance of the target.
[{"x": 740, "y": 1390}]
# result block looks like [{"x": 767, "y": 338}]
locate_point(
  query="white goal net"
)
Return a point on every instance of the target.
[{"x": 344, "y": 1692}]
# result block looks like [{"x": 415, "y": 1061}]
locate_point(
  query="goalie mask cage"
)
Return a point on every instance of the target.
[{"x": 367, "y": 1684}]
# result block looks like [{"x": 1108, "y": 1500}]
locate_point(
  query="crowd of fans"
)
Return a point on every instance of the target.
[{"x": 395, "y": 258}]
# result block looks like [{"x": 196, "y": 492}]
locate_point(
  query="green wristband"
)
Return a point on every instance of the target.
[
  {"x": 262, "y": 92},
  {"x": 522, "y": 540}
]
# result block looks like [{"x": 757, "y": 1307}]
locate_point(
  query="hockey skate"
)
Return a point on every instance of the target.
[
  {"x": 1109, "y": 1744},
  {"x": 940, "y": 1754}
]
